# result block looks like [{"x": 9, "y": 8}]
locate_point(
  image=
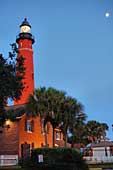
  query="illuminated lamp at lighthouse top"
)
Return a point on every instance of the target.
[{"x": 25, "y": 31}]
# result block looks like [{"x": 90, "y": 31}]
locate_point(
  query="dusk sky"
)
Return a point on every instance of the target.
[{"x": 73, "y": 50}]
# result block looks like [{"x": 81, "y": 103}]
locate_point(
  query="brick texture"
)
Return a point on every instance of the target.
[
  {"x": 9, "y": 139},
  {"x": 13, "y": 137},
  {"x": 36, "y": 137}
]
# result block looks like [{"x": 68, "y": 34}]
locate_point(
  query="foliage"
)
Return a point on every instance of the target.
[
  {"x": 65, "y": 112},
  {"x": 56, "y": 107},
  {"x": 11, "y": 75},
  {"x": 72, "y": 116},
  {"x": 78, "y": 135},
  {"x": 46, "y": 103},
  {"x": 91, "y": 131},
  {"x": 95, "y": 130},
  {"x": 56, "y": 158}
]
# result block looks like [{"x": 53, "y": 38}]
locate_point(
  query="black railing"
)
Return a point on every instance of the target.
[{"x": 25, "y": 36}]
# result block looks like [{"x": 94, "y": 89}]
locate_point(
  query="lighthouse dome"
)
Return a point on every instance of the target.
[{"x": 25, "y": 23}]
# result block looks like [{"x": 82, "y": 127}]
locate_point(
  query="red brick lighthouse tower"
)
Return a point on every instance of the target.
[{"x": 25, "y": 41}]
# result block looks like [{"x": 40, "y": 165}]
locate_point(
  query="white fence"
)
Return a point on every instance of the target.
[
  {"x": 91, "y": 159},
  {"x": 8, "y": 160}
]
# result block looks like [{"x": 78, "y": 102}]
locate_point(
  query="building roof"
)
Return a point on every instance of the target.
[
  {"x": 102, "y": 144},
  {"x": 18, "y": 110},
  {"x": 15, "y": 106}
]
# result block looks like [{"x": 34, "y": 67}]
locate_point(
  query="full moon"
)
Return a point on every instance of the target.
[{"x": 107, "y": 14}]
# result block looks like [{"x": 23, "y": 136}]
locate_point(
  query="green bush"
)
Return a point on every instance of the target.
[{"x": 56, "y": 159}]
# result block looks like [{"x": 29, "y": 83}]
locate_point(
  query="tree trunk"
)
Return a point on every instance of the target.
[
  {"x": 43, "y": 128},
  {"x": 46, "y": 140},
  {"x": 53, "y": 136},
  {"x": 72, "y": 143},
  {"x": 65, "y": 140}
]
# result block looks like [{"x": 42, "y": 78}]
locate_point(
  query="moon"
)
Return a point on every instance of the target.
[{"x": 107, "y": 14}]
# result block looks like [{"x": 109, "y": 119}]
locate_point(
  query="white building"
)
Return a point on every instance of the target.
[{"x": 100, "y": 152}]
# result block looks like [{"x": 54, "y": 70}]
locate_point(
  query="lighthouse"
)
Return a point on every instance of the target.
[
  {"x": 26, "y": 132},
  {"x": 25, "y": 41}
]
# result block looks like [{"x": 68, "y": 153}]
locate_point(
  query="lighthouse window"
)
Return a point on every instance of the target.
[
  {"x": 32, "y": 75},
  {"x": 21, "y": 44}
]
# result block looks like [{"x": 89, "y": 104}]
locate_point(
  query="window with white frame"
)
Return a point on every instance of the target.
[
  {"x": 29, "y": 125},
  {"x": 57, "y": 136}
]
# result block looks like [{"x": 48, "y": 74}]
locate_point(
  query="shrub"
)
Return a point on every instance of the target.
[{"x": 56, "y": 159}]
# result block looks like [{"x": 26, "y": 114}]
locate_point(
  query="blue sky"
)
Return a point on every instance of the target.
[{"x": 73, "y": 49}]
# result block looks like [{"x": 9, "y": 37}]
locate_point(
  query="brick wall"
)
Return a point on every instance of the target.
[
  {"x": 13, "y": 137},
  {"x": 9, "y": 139},
  {"x": 35, "y": 138}
]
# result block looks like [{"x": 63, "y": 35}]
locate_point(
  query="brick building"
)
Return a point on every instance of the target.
[{"x": 19, "y": 137}]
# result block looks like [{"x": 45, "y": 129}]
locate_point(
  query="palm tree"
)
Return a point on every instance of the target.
[
  {"x": 46, "y": 103},
  {"x": 71, "y": 110},
  {"x": 56, "y": 107},
  {"x": 54, "y": 122},
  {"x": 95, "y": 130},
  {"x": 78, "y": 129},
  {"x": 54, "y": 100}
]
